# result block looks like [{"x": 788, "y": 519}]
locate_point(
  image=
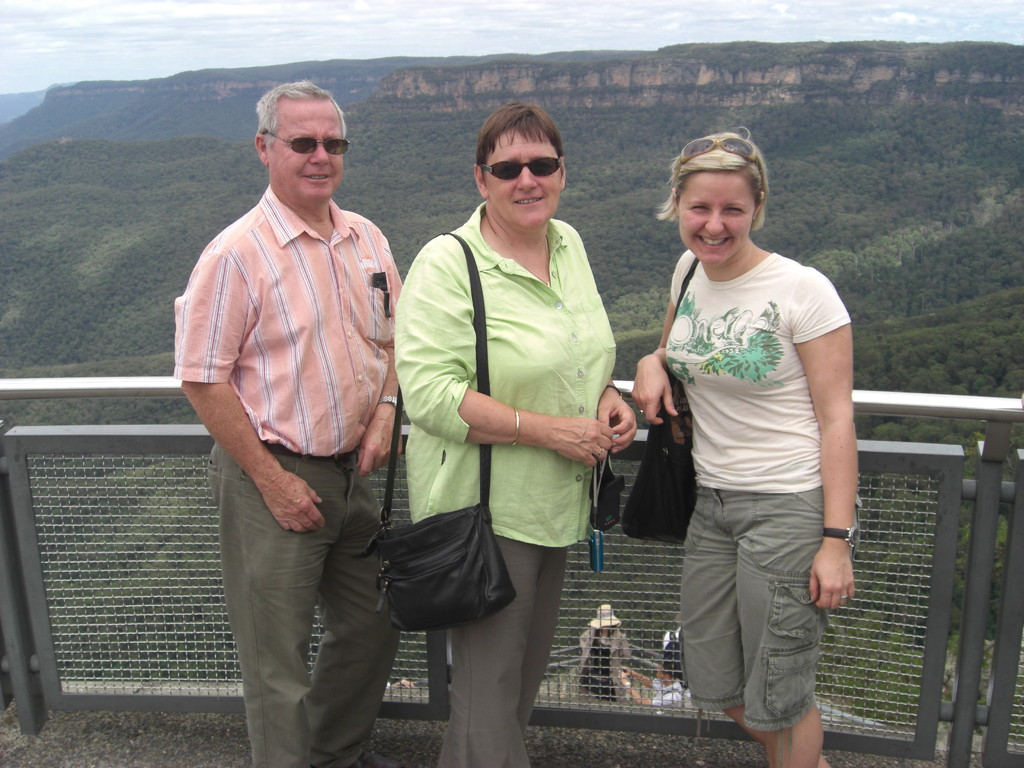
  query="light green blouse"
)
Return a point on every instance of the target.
[{"x": 550, "y": 350}]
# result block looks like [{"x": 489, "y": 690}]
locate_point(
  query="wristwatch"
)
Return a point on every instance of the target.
[
  {"x": 389, "y": 399},
  {"x": 850, "y": 535}
]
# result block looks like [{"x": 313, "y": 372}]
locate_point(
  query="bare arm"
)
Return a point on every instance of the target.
[
  {"x": 289, "y": 498},
  {"x": 375, "y": 445},
  {"x": 828, "y": 363},
  {"x": 652, "y": 389},
  {"x": 577, "y": 438},
  {"x": 634, "y": 694}
]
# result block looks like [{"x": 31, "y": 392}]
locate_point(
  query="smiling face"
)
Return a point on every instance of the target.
[
  {"x": 524, "y": 205},
  {"x": 716, "y": 211},
  {"x": 304, "y": 183}
]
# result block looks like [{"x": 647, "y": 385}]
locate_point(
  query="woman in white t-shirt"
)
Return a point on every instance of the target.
[{"x": 764, "y": 349}]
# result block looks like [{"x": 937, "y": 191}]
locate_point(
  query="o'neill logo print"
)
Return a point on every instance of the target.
[{"x": 738, "y": 343}]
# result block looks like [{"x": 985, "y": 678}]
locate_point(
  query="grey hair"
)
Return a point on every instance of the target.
[
  {"x": 719, "y": 160},
  {"x": 266, "y": 108}
]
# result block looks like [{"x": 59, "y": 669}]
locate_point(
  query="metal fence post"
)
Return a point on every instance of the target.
[
  {"x": 977, "y": 595},
  {"x": 1005, "y": 677},
  {"x": 19, "y": 664}
]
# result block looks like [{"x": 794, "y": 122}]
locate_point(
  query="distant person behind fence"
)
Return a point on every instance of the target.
[
  {"x": 764, "y": 348},
  {"x": 284, "y": 345},
  {"x": 603, "y": 649},
  {"x": 672, "y": 650},
  {"x": 667, "y": 683}
]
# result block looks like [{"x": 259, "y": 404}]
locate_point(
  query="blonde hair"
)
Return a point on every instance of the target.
[{"x": 719, "y": 160}]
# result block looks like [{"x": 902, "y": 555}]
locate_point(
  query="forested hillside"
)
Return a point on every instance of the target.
[
  {"x": 208, "y": 102},
  {"x": 913, "y": 209}
]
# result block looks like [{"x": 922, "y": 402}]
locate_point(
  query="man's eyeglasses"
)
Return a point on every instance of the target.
[
  {"x": 307, "y": 146},
  {"x": 507, "y": 170},
  {"x": 702, "y": 146}
]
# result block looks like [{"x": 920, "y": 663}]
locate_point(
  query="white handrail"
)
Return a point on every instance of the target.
[
  {"x": 90, "y": 386},
  {"x": 999, "y": 409}
]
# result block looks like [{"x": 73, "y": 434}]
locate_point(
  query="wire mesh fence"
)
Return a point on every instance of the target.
[
  {"x": 129, "y": 552},
  {"x": 1015, "y": 742}
]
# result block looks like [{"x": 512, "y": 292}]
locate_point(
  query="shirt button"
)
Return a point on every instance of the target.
[
  {"x": 582, "y": 409},
  {"x": 579, "y": 478},
  {"x": 558, "y": 305},
  {"x": 580, "y": 374}
]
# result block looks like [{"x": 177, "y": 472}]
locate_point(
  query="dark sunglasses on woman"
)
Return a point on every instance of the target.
[{"x": 508, "y": 170}]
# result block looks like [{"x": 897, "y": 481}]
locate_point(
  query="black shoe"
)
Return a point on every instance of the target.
[{"x": 370, "y": 760}]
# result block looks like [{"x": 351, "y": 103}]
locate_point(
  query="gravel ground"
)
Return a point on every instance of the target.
[{"x": 161, "y": 740}]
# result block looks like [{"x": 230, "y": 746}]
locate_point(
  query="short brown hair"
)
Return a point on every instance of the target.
[{"x": 527, "y": 120}]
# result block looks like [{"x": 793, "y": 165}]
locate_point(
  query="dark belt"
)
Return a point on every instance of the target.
[{"x": 279, "y": 450}]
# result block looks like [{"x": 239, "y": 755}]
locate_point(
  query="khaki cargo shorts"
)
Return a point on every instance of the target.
[{"x": 750, "y": 631}]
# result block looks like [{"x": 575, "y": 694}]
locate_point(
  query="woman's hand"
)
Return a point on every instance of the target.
[
  {"x": 652, "y": 389},
  {"x": 616, "y": 413},
  {"x": 832, "y": 583},
  {"x": 584, "y": 440}
]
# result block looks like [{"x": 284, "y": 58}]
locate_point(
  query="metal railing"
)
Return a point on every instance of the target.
[{"x": 110, "y": 593}]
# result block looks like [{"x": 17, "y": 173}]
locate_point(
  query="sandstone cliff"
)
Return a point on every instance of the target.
[{"x": 733, "y": 75}]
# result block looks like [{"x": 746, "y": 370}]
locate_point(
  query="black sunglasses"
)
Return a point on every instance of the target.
[
  {"x": 307, "y": 146},
  {"x": 507, "y": 170}
]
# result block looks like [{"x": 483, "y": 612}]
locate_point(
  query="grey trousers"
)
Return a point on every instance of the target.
[
  {"x": 273, "y": 580},
  {"x": 499, "y": 663}
]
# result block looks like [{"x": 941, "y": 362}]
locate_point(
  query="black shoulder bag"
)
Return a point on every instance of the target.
[
  {"x": 660, "y": 504},
  {"x": 447, "y": 569}
]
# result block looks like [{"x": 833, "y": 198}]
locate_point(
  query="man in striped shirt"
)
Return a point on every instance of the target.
[{"x": 284, "y": 345}]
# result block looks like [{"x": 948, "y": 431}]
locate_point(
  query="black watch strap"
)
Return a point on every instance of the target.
[
  {"x": 850, "y": 535},
  {"x": 838, "y": 533}
]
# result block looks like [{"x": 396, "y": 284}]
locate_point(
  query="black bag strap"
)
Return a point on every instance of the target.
[
  {"x": 396, "y": 442},
  {"x": 679, "y": 298},
  {"x": 483, "y": 376},
  {"x": 483, "y": 386},
  {"x": 686, "y": 283}
]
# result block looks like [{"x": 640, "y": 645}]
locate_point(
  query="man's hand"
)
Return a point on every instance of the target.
[
  {"x": 292, "y": 502},
  {"x": 289, "y": 498},
  {"x": 375, "y": 445}
]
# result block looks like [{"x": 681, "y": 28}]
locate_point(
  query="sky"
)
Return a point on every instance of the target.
[{"x": 48, "y": 42}]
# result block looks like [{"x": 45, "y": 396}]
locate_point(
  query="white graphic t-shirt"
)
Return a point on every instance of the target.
[{"x": 733, "y": 344}]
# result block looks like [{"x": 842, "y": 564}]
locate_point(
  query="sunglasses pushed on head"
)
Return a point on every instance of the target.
[{"x": 736, "y": 146}]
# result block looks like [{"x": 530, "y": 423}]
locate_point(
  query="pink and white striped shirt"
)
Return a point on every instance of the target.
[{"x": 300, "y": 327}]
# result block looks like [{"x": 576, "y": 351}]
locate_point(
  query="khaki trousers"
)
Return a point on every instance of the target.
[
  {"x": 273, "y": 579},
  {"x": 499, "y": 663}
]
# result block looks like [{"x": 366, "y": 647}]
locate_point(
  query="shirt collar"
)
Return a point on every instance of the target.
[
  {"x": 288, "y": 225},
  {"x": 487, "y": 257}
]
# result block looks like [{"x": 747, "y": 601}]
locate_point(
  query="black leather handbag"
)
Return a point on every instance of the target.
[
  {"x": 446, "y": 570},
  {"x": 664, "y": 493}
]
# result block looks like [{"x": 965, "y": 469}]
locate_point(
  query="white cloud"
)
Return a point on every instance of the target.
[
  {"x": 900, "y": 18},
  {"x": 70, "y": 40}
]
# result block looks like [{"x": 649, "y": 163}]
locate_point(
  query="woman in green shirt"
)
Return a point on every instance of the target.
[{"x": 552, "y": 415}]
